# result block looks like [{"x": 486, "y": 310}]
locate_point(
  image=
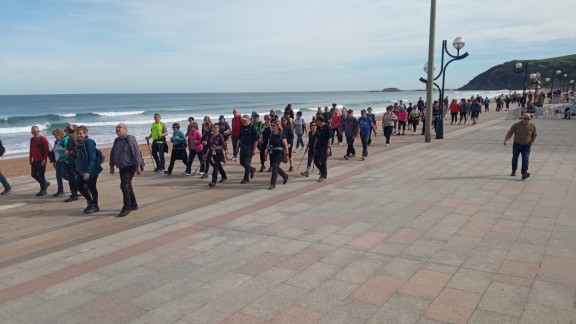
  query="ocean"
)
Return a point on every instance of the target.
[{"x": 102, "y": 112}]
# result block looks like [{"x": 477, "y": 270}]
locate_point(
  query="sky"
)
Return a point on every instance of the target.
[{"x": 184, "y": 46}]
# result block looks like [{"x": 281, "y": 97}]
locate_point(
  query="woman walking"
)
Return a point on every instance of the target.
[
  {"x": 299, "y": 129},
  {"x": 335, "y": 124},
  {"x": 178, "y": 140},
  {"x": 266, "y": 131},
  {"x": 195, "y": 148},
  {"x": 217, "y": 153},
  {"x": 388, "y": 121},
  {"x": 278, "y": 149},
  {"x": 60, "y": 159},
  {"x": 310, "y": 149}
]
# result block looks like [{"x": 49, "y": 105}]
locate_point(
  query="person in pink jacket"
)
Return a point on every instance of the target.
[
  {"x": 196, "y": 148},
  {"x": 402, "y": 115}
]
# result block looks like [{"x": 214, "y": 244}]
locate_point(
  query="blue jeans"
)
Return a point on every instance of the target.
[
  {"x": 518, "y": 149},
  {"x": 299, "y": 140},
  {"x": 59, "y": 167}
]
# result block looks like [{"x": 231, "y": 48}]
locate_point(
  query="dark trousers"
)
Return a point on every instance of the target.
[
  {"x": 401, "y": 125},
  {"x": 59, "y": 167},
  {"x": 158, "y": 155},
  {"x": 414, "y": 122},
  {"x": 350, "y": 142},
  {"x": 262, "y": 149},
  {"x": 364, "y": 140},
  {"x": 388, "y": 130},
  {"x": 4, "y": 182},
  {"x": 275, "y": 160},
  {"x": 37, "y": 172},
  {"x": 235, "y": 145},
  {"x": 246, "y": 159},
  {"x": 517, "y": 150},
  {"x": 88, "y": 188},
  {"x": 336, "y": 132},
  {"x": 216, "y": 163},
  {"x": 191, "y": 157},
  {"x": 454, "y": 116},
  {"x": 423, "y": 126},
  {"x": 463, "y": 115},
  {"x": 72, "y": 178},
  {"x": 310, "y": 158},
  {"x": 320, "y": 160},
  {"x": 177, "y": 154},
  {"x": 128, "y": 197}
]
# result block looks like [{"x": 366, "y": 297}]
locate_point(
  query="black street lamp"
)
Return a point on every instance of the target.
[
  {"x": 458, "y": 44},
  {"x": 557, "y": 72}
]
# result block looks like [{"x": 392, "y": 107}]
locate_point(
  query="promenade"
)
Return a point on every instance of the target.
[{"x": 418, "y": 233}]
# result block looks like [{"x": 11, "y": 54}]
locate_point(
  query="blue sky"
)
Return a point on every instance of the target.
[{"x": 135, "y": 46}]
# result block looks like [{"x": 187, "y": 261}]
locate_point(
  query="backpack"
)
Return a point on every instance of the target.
[
  {"x": 99, "y": 156},
  {"x": 2, "y": 149}
]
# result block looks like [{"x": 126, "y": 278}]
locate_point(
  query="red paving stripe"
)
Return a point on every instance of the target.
[{"x": 45, "y": 281}]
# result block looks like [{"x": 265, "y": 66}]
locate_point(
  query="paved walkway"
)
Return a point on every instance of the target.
[{"x": 418, "y": 233}]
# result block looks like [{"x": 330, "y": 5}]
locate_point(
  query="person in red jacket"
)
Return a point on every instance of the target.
[
  {"x": 454, "y": 110},
  {"x": 335, "y": 124},
  {"x": 39, "y": 150},
  {"x": 236, "y": 126}
]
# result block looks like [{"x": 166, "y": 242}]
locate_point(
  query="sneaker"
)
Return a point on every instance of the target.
[
  {"x": 93, "y": 208},
  {"x": 363, "y": 158},
  {"x": 47, "y": 185},
  {"x": 387, "y": 145},
  {"x": 223, "y": 179},
  {"x": 7, "y": 191},
  {"x": 305, "y": 173},
  {"x": 185, "y": 174},
  {"x": 167, "y": 173},
  {"x": 321, "y": 179},
  {"x": 346, "y": 157},
  {"x": 285, "y": 180},
  {"x": 124, "y": 212},
  {"x": 262, "y": 168},
  {"x": 413, "y": 133},
  {"x": 159, "y": 171},
  {"x": 353, "y": 155},
  {"x": 513, "y": 174},
  {"x": 234, "y": 158},
  {"x": 41, "y": 193},
  {"x": 526, "y": 176},
  {"x": 290, "y": 169},
  {"x": 244, "y": 181},
  {"x": 271, "y": 187},
  {"x": 134, "y": 207},
  {"x": 204, "y": 176},
  {"x": 58, "y": 194},
  {"x": 252, "y": 171},
  {"x": 71, "y": 198},
  {"x": 212, "y": 184}
]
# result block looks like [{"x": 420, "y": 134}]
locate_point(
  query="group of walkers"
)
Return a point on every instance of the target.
[{"x": 76, "y": 158}]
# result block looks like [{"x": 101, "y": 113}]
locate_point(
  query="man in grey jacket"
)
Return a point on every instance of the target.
[
  {"x": 350, "y": 125},
  {"x": 126, "y": 155}
]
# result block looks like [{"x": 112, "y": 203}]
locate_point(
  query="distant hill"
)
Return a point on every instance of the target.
[{"x": 502, "y": 76}]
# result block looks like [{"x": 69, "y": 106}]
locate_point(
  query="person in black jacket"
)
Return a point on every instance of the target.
[
  {"x": 266, "y": 131},
  {"x": 277, "y": 148},
  {"x": 248, "y": 141},
  {"x": 288, "y": 131},
  {"x": 322, "y": 147},
  {"x": 70, "y": 152},
  {"x": 310, "y": 149}
]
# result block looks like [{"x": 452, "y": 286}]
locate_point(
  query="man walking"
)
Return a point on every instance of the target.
[
  {"x": 248, "y": 141},
  {"x": 322, "y": 147},
  {"x": 366, "y": 126},
  {"x": 39, "y": 150},
  {"x": 351, "y": 132},
  {"x": 70, "y": 152},
  {"x": 7, "y": 187},
  {"x": 158, "y": 134},
  {"x": 236, "y": 125},
  {"x": 125, "y": 154},
  {"x": 524, "y": 133}
]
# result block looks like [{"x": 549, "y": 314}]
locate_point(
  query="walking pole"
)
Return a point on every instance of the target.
[
  {"x": 299, "y": 164},
  {"x": 150, "y": 150},
  {"x": 197, "y": 168}
]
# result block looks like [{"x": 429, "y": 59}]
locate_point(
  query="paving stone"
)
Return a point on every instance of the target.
[
  {"x": 519, "y": 269},
  {"x": 537, "y": 314},
  {"x": 342, "y": 257},
  {"x": 505, "y": 299},
  {"x": 349, "y": 311},
  {"x": 377, "y": 290},
  {"x": 314, "y": 276},
  {"x": 260, "y": 263},
  {"x": 558, "y": 268},
  {"x": 297, "y": 314},
  {"x": 425, "y": 284},
  {"x": 553, "y": 294},
  {"x": 423, "y": 248},
  {"x": 405, "y": 235},
  {"x": 337, "y": 239},
  {"x": 475, "y": 229},
  {"x": 485, "y": 259},
  {"x": 462, "y": 243},
  {"x": 275, "y": 302},
  {"x": 526, "y": 252},
  {"x": 401, "y": 267},
  {"x": 304, "y": 258},
  {"x": 359, "y": 270},
  {"x": 453, "y": 306},
  {"x": 240, "y": 318},
  {"x": 400, "y": 309},
  {"x": 485, "y": 317},
  {"x": 389, "y": 248},
  {"x": 471, "y": 280},
  {"x": 368, "y": 240},
  {"x": 327, "y": 295}
]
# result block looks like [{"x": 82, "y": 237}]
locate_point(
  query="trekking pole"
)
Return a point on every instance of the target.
[
  {"x": 199, "y": 165},
  {"x": 150, "y": 150},
  {"x": 299, "y": 164}
]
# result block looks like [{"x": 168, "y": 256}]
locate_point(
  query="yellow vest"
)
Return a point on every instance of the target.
[{"x": 157, "y": 129}]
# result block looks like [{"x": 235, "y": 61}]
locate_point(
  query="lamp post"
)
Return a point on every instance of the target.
[
  {"x": 566, "y": 80},
  {"x": 558, "y": 72},
  {"x": 524, "y": 73},
  {"x": 458, "y": 44},
  {"x": 572, "y": 85}
]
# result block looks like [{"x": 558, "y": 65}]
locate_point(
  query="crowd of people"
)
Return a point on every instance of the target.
[{"x": 77, "y": 160}]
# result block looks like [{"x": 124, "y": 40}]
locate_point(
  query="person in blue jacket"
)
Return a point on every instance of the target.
[
  {"x": 178, "y": 140},
  {"x": 88, "y": 166}
]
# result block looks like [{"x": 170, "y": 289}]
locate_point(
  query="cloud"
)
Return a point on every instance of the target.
[{"x": 257, "y": 45}]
